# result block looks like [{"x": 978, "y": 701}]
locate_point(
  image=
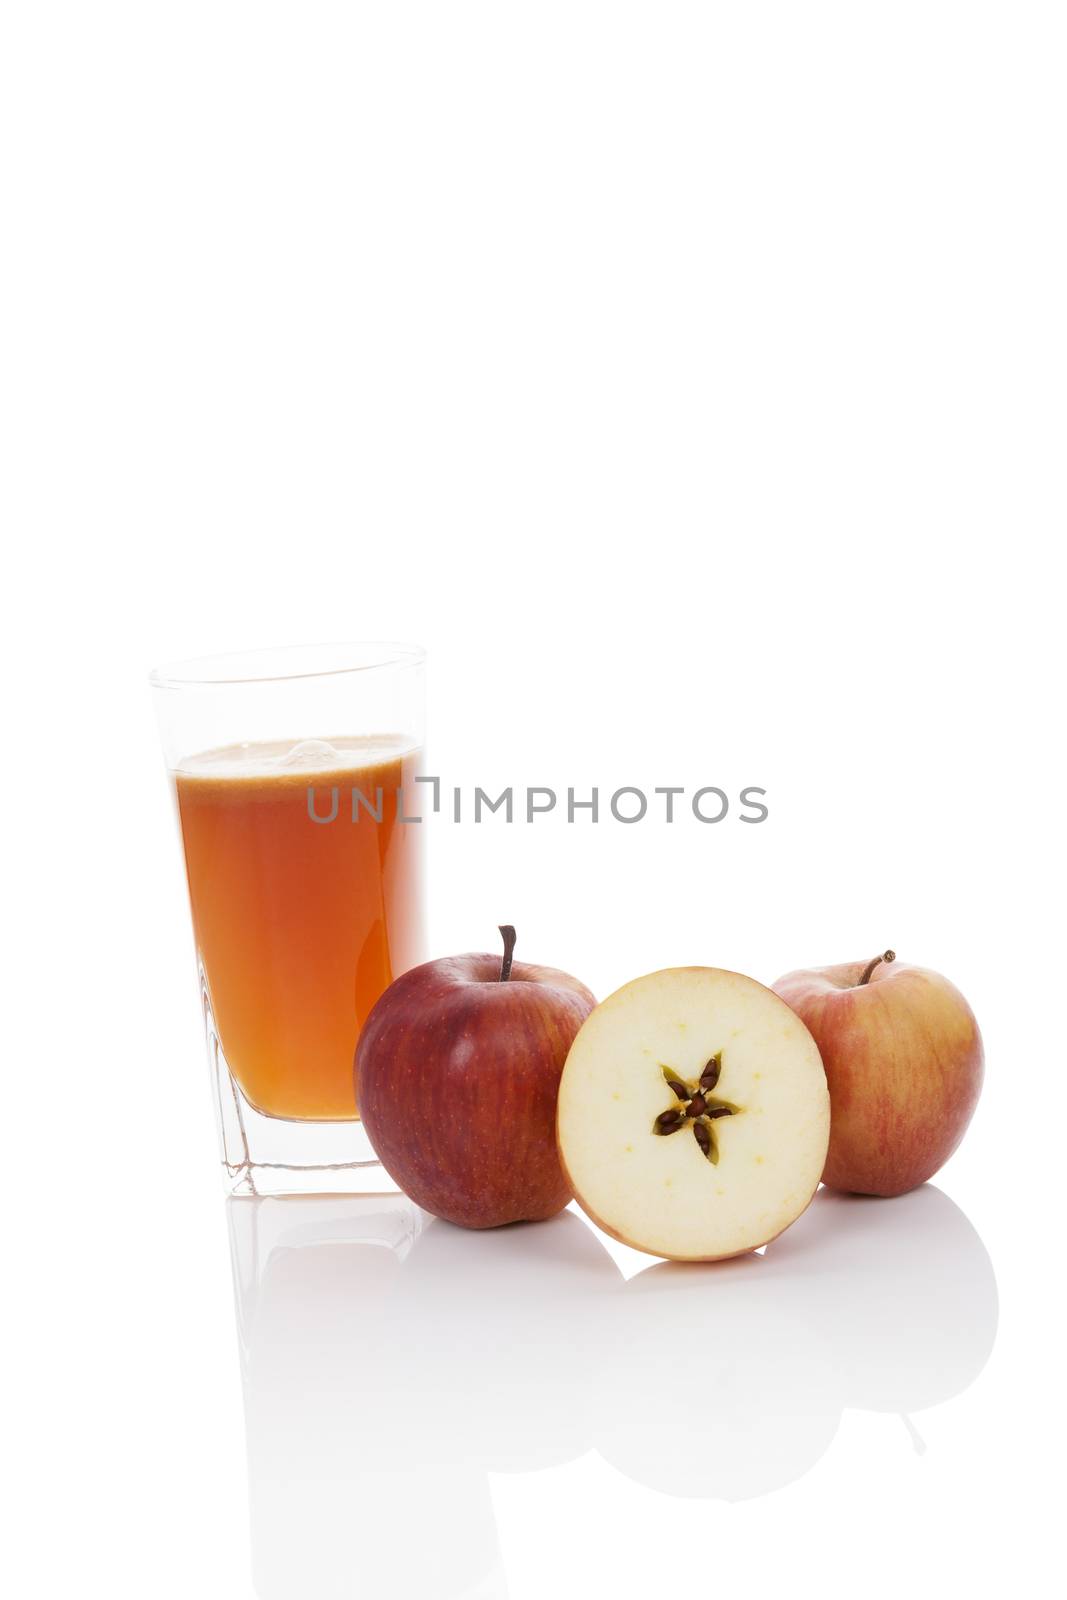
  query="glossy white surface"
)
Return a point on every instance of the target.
[
  {"x": 417, "y": 1411},
  {"x": 404, "y": 1380}
]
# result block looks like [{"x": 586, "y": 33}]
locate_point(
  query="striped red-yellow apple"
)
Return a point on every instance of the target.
[{"x": 903, "y": 1059}]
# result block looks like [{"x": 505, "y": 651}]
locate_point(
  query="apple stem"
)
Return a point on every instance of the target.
[
  {"x": 507, "y": 933},
  {"x": 887, "y": 955}
]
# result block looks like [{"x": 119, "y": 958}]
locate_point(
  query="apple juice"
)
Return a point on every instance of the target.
[{"x": 306, "y": 904}]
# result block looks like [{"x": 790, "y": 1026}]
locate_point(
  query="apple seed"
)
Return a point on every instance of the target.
[{"x": 710, "y": 1075}]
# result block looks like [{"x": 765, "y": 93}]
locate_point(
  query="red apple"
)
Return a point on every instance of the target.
[
  {"x": 457, "y": 1073},
  {"x": 903, "y": 1060}
]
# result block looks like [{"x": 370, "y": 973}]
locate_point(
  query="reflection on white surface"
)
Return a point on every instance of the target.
[{"x": 392, "y": 1362}]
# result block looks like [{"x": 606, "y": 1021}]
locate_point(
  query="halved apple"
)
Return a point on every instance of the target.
[{"x": 693, "y": 1116}]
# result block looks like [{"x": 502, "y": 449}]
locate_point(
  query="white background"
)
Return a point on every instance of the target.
[{"x": 688, "y": 378}]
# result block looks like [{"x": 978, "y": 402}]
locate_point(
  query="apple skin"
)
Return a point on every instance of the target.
[
  {"x": 904, "y": 1062},
  {"x": 457, "y": 1075}
]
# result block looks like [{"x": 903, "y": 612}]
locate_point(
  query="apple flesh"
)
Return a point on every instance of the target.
[
  {"x": 903, "y": 1059},
  {"x": 457, "y": 1071},
  {"x": 693, "y": 1115}
]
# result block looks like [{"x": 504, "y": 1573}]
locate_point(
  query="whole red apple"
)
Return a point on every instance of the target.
[
  {"x": 903, "y": 1059},
  {"x": 457, "y": 1073}
]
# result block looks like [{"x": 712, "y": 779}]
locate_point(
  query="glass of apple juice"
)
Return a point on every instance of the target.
[{"x": 293, "y": 773}]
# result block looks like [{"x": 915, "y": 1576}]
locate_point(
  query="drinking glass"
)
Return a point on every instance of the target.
[{"x": 294, "y": 775}]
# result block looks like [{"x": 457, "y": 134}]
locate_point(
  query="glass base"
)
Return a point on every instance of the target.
[
  {"x": 272, "y": 1156},
  {"x": 269, "y": 1156}
]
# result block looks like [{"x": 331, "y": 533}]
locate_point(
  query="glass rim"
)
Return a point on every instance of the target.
[{"x": 235, "y": 667}]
